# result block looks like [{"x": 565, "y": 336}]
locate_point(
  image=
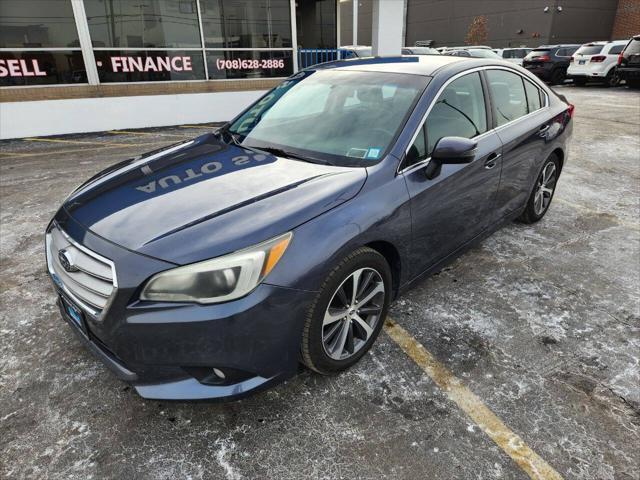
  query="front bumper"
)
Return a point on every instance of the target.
[{"x": 157, "y": 347}]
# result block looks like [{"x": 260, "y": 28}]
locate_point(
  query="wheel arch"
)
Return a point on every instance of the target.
[
  {"x": 558, "y": 152},
  {"x": 392, "y": 256}
]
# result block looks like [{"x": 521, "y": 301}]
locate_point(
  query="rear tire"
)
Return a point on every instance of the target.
[
  {"x": 543, "y": 191},
  {"x": 558, "y": 76},
  {"x": 341, "y": 325}
]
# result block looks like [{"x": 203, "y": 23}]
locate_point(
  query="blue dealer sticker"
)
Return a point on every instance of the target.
[{"x": 374, "y": 152}]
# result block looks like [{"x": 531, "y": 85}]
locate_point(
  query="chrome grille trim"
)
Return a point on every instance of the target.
[{"x": 93, "y": 285}]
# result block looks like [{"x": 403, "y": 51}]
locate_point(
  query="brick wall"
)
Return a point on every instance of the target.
[{"x": 627, "y": 22}]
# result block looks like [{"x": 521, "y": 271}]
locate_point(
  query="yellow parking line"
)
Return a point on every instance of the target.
[
  {"x": 143, "y": 134},
  {"x": 58, "y": 140},
  {"x": 634, "y": 225},
  {"x": 472, "y": 405},
  {"x": 98, "y": 146}
]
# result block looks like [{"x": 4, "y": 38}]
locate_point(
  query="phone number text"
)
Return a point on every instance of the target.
[{"x": 222, "y": 64}]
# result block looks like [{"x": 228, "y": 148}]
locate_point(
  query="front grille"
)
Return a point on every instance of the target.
[{"x": 91, "y": 279}]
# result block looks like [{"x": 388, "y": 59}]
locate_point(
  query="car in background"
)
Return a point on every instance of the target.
[
  {"x": 419, "y": 51},
  {"x": 513, "y": 55},
  {"x": 596, "y": 61},
  {"x": 474, "y": 53},
  {"x": 463, "y": 47},
  {"x": 550, "y": 62},
  {"x": 355, "y": 51},
  {"x": 629, "y": 63}
]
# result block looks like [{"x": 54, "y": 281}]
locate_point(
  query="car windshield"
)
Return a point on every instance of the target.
[
  {"x": 345, "y": 118},
  {"x": 537, "y": 53},
  {"x": 589, "y": 50},
  {"x": 633, "y": 47},
  {"x": 481, "y": 53}
]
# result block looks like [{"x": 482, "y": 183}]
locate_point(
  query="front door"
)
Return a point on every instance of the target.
[{"x": 454, "y": 207}]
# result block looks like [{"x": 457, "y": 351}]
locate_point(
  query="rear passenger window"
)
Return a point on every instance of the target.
[
  {"x": 533, "y": 96},
  {"x": 616, "y": 49},
  {"x": 509, "y": 99}
]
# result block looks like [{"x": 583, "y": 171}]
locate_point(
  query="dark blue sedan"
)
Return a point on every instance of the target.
[{"x": 212, "y": 268}]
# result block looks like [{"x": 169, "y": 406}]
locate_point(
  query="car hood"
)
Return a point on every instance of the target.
[{"x": 204, "y": 198}]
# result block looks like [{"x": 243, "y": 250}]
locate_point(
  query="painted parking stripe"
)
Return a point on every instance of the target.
[
  {"x": 528, "y": 460},
  {"x": 78, "y": 142},
  {"x": 100, "y": 146},
  {"x": 144, "y": 134}
]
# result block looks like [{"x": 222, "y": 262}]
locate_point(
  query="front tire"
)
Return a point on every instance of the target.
[
  {"x": 347, "y": 315},
  {"x": 612, "y": 79},
  {"x": 543, "y": 191}
]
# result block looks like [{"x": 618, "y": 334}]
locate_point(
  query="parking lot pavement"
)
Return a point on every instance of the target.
[{"x": 539, "y": 326}]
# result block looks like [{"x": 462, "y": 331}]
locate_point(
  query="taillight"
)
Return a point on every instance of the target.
[
  {"x": 543, "y": 58},
  {"x": 620, "y": 57},
  {"x": 571, "y": 109},
  {"x": 598, "y": 58},
  {"x": 571, "y": 60}
]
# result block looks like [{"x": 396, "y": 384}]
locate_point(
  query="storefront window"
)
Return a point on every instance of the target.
[
  {"x": 143, "y": 24},
  {"x": 145, "y": 40},
  {"x": 149, "y": 66},
  {"x": 29, "y": 25},
  {"x": 246, "y": 23},
  {"x": 249, "y": 64},
  {"x": 37, "y": 24},
  {"x": 41, "y": 68}
]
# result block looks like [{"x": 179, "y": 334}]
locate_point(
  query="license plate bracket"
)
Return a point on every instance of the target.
[
  {"x": 73, "y": 312},
  {"x": 581, "y": 62}
]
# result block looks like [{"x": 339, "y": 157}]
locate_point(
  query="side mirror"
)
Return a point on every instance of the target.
[{"x": 450, "y": 150}]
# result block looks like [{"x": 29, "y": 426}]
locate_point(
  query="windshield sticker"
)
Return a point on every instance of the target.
[
  {"x": 374, "y": 152},
  {"x": 357, "y": 152}
]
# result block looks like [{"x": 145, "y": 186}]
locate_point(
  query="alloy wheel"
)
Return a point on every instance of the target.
[
  {"x": 353, "y": 313},
  {"x": 544, "y": 189}
]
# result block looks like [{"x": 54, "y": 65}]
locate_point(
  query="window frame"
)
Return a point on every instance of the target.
[
  {"x": 402, "y": 168},
  {"x": 488, "y": 108}
]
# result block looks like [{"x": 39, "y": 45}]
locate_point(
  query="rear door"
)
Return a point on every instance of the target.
[
  {"x": 521, "y": 122},
  {"x": 455, "y": 206}
]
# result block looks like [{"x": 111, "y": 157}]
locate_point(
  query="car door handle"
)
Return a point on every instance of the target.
[
  {"x": 543, "y": 130},
  {"x": 492, "y": 160}
]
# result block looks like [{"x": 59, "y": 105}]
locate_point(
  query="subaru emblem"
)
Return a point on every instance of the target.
[{"x": 66, "y": 261}]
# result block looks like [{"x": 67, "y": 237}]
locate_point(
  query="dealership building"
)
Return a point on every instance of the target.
[{"x": 70, "y": 66}]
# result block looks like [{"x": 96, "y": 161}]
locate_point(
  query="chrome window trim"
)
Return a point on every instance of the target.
[
  {"x": 424, "y": 162},
  {"x": 82, "y": 304}
]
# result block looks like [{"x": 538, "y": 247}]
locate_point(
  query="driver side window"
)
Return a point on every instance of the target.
[{"x": 459, "y": 111}]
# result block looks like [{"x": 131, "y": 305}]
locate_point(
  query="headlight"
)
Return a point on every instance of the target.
[{"x": 219, "y": 279}]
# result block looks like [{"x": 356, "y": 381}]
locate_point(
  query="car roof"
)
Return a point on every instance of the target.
[
  {"x": 547, "y": 47},
  {"x": 426, "y": 65}
]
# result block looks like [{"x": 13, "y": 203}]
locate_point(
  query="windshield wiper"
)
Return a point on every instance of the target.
[{"x": 279, "y": 152}]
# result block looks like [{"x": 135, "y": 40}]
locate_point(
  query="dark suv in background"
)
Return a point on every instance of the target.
[
  {"x": 550, "y": 62},
  {"x": 629, "y": 63}
]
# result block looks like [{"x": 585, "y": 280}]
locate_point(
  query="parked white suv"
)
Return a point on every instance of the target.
[
  {"x": 596, "y": 61},
  {"x": 513, "y": 55}
]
